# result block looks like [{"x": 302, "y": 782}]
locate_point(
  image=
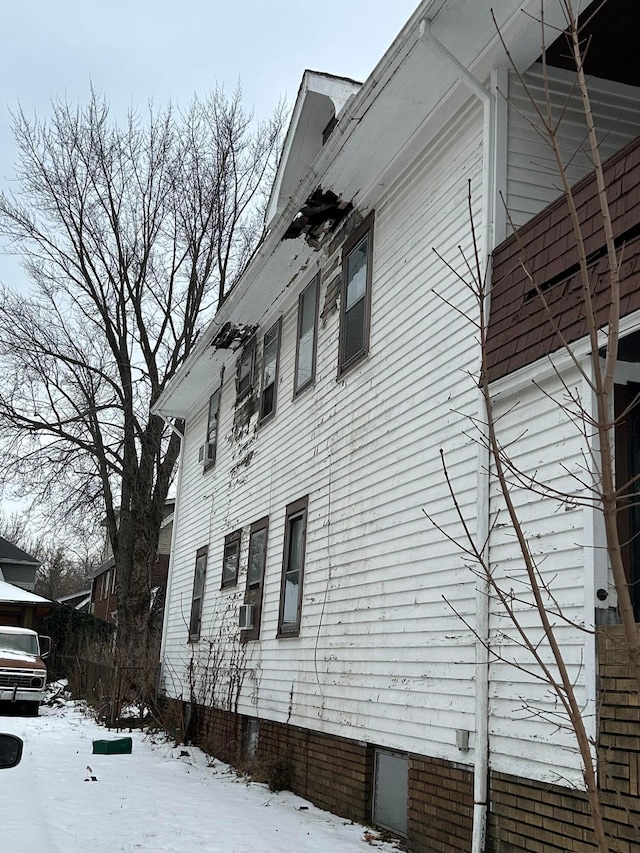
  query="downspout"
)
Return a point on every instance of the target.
[
  {"x": 489, "y": 202},
  {"x": 167, "y": 597}
]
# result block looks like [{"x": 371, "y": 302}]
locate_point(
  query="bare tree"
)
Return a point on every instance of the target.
[
  {"x": 130, "y": 235},
  {"x": 62, "y": 573}
]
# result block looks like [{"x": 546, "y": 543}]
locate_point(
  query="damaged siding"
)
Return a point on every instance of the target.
[{"x": 377, "y": 643}]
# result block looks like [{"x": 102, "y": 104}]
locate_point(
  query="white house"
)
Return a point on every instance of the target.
[{"x": 321, "y": 616}]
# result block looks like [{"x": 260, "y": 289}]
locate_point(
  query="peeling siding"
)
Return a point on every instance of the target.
[
  {"x": 532, "y": 175},
  {"x": 378, "y": 643}
]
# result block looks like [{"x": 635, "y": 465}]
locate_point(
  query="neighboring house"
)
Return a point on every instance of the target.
[
  {"x": 104, "y": 598},
  {"x": 16, "y": 566},
  {"x": 77, "y": 600},
  {"x": 22, "y": 608},
  {"x": 315, "y": 617}
]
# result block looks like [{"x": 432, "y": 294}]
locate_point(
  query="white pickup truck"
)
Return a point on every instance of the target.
[{"x": 23, "y": 675}]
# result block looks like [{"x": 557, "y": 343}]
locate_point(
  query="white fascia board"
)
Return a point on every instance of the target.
[{"x": 409, "y": 87}]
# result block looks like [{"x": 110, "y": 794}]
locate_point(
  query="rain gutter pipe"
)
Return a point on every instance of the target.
[
  {"x": 489, "y": 200},
  {"x": 172, "y": 551}
]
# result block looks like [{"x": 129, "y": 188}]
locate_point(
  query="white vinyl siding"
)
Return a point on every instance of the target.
[
  {"x": 544, "y": 441},
  {"x": 378, "y": 641}
]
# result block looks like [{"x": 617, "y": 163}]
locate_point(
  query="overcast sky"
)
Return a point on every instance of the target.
[{"x": 134, "y": 50}]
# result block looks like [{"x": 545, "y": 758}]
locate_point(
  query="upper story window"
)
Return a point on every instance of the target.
[
  {"x": 208, "y": 450},
  {"x": 246, "y": 370},
  {"x": 295, "y": 538},
  {"x": 270, "y": 360},
  {"x": 355, "y": 302},
  {"x": 307, "y": 336},
  {"x": 231, "y": 558},
  {"x": 198, "y": 594}
]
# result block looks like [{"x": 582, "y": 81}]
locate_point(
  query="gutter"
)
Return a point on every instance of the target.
[
  {"x": 488, "y": 99},
  {"x": 172, "y": 551}
]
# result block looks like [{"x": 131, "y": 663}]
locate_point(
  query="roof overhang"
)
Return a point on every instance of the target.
[
  {"x": 320, "y": 100},
  {"x": 399, "y": 109}
]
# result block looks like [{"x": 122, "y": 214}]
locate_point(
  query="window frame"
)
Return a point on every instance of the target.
[
  {"x": 297, "y": 509},
  {"x": 211, "y": 462},
  {"x": 298, "y": 389},
  {"x": 254, "y": 591},
  {"x": 234, "y": 538},
  {"x": 264, "y": 418},
  {"x": 248, "y": 351},
  {"x": 364, "y": 231},
  {"x": 201, "y": 553}
]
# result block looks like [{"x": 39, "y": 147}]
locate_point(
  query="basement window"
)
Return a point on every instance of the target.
[
  {"x": 251, "y": 733},
  {"x": 390, "y": 793}
]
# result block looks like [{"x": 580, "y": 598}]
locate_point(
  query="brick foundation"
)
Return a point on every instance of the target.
[
  {"x": 440, "y": 806},
  {"x": 334, "y": 773},
  {"x": 525, "y": 816},
  {"x": 531, "y": 816}
]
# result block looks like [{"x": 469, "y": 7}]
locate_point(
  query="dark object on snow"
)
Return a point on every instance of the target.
[
  {"x": 10, "y": 750},
  {"x": 119, "y": 746}
]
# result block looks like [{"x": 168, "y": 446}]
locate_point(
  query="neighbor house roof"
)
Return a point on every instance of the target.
[
  {"x": 10, "y": 594},
  {"x": 10, "y": 553}
]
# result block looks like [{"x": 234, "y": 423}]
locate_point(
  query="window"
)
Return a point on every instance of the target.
[
  {"x": 212, "y": 429},
  {"x": 355, "y": 302},
  {"x": 270, "y": 359},
  {"x": 255, "y": 574},
  {"x": 231, "y": 558},
  {"x": 295, "y": 535},
  {"x": 246, "y": 368},
  {"x": 257, "y": 552},
  {"x": 307, "y": 336},
  {"x": 198, "y": 595},
  {"x": 390, "y": 795}
]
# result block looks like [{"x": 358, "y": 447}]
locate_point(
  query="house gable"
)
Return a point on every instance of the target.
[{"x": 320, "y": 100}]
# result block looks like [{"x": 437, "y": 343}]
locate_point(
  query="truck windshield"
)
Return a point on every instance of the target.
[{"x": 19, "y": 643}]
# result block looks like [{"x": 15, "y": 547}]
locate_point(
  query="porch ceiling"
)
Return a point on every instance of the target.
[{"x": 611, "y": 32}]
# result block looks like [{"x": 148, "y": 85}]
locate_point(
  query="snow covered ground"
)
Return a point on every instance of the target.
[{"x": 152, "y": 800}]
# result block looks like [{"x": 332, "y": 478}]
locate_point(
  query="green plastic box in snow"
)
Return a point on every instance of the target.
[{"x": 119, "y": 746}]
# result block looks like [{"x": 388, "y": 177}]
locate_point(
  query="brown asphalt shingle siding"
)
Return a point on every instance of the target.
[{"x": 520, "y": 330}]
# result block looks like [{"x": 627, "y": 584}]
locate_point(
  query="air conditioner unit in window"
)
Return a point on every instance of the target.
[
  {"x": 245, "y": 616},
  {"x": 207, "y": 452}
]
